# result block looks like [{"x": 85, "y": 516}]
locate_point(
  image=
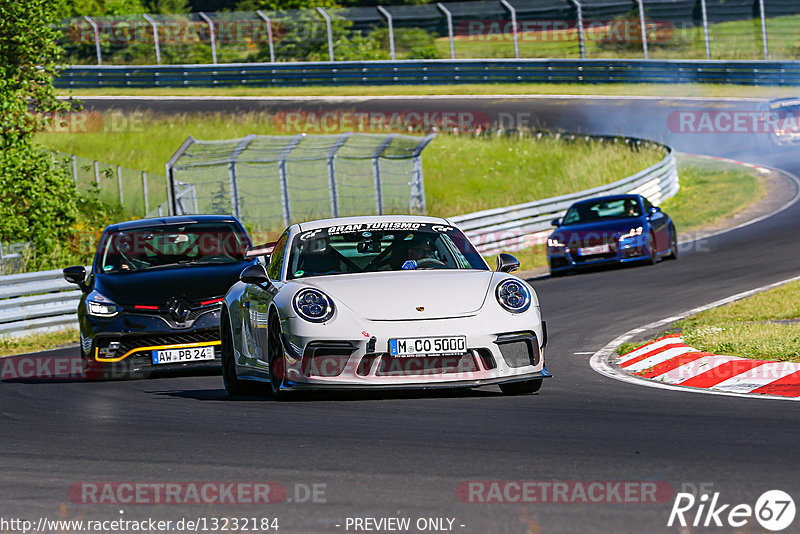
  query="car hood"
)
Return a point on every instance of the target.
[
  {"x": 157, "y": 286},
  {"x": 396, "y": 296},
  {"x": 600, "y": 231}
]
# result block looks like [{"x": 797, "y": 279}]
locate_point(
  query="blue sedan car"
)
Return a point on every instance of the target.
[{"x": 612, "y": 229}]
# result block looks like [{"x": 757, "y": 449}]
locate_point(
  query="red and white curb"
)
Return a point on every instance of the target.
[{"x": 669, "y": 360}]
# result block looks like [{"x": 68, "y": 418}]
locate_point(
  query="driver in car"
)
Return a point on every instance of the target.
[{"x": 420, "y": 249}]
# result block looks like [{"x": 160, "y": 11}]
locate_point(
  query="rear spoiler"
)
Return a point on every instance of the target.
[{"x": 260, "y": 250}]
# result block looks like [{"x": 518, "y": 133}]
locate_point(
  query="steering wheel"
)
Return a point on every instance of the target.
[{"x": 430, "y": 263}]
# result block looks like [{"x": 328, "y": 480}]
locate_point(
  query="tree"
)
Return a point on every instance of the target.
[{"x": 39, "y": 200}]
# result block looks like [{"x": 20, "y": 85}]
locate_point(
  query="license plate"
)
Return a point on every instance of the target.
[
  {"x": 590, "y": 251},
  {"x": 434, "y": 346},
  {"x": 192, "y": 354}
]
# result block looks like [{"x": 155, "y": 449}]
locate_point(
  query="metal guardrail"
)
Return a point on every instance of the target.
[
  {"x": 524, "y": 225},
  {"x": 36, "y": 302},
  {"x": 433, "y": 71},
  {"x": 40, "y": 301}
]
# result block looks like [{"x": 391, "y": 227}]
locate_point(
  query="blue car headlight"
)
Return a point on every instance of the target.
[
  {"x": 513, "y": 295},
  {"x": 313, "y": 305},
  {"x": 99, "y": 305}
]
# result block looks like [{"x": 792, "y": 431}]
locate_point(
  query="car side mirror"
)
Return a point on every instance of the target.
[
  {"x": 75, "y": 274},
  {"x": 655, "y": 209},
  {"x": 255, "y": 274},
  {"x": 506, "y": 263},
  {"x": 555, "y": 222}
]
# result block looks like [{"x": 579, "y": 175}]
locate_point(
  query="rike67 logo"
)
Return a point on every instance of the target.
[{"x": 774, "y": 510}]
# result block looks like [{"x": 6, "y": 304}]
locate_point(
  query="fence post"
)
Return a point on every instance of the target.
[
  {"x": 513, "y": 12},
  {"x": 155, "y": 37},
  {"x": 74, "y": 169},
  {"x": 284, "y": 178},
  {"x": 331, "y": 157},
  {"x": 119, "y": 183},
  {"x": 644, "y": 29},
  {"x": 449, "y": 28},
  {"x": 96, "y": 174},
  {"x": 704, "y": 13},
  {"x": 389, "y": 22},
  {"x": 269, "y": 35},
  {"x": 144, "y": 191},
  {"x": 213, "y": 36},
  {"x": 763, "y": 28},
  {"x": 234, "y": 182},
  {"x": 417, "y": 181},
  {"x": 376, "y": 171},
  {"x": 96, "y": 31},
  {"x": 329, "y": 28},
  {"x": 581, "y": 36},
  {"x": 170, "y": 166}
]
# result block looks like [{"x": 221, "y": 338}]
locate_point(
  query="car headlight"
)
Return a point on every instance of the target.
[
  {"x": 632, "y": 233},
  {"x": 513, "y": 295},
  {"x": 101, "y": 306},
  {"x": 313, "y": 305}
]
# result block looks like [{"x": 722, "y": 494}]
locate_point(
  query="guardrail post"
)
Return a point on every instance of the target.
[
  {"x": 213, "y": 37},
  {"x": 390, "y": 24},
  {"x": 763, "y": 28},
  {"x": 74, "y": 159},
  {"x": 329, "y": 29},
  {"x": 96, "y": 31},
  {"x": 581, "y": 35},
  {"x": 376, "y": 172},
  {"x": 155, "y": 37},
  {"x": 96, "y": 167},
  {"x": 284, "y": 178},
  {"x": 269, "y": 35},
  {"x": 331, "y": 157},
  {"x": 704, "y": 12},
  {"x": 513, "y": 12},
  {"x": 644, "y": 29},
  {"x": 144, "y": 192},
  {"x": 449, "y": 28},
  {"x": 119, "y": 183}
]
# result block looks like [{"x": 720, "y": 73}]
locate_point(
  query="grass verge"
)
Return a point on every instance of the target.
[
  {"x": 10, "y": 346},
  {"x": 765, "y": 326},
  {"x": 610, "y": 89}
]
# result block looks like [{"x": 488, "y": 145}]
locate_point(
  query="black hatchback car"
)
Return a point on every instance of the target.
[{"x": 152, "y": 299}]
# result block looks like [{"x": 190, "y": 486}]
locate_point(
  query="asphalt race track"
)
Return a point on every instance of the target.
[{"x": 404, "y": 455}]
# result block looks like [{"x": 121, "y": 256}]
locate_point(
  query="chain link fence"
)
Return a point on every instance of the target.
[
  {"x": 272, "y": 181},
  {"x": 658, "y": 29}
]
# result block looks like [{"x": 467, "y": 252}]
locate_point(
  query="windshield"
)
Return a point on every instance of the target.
[
  {"x": 158, "y": 246},
  {"x": 592, "y": 211},
  {"x": 374, "y": 247}
]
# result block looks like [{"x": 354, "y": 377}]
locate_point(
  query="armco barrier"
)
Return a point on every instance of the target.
[
  {"x": 433, "y": 71},
  {"x": 43, "y": 300},
  {"x": 523, "y": 225}
]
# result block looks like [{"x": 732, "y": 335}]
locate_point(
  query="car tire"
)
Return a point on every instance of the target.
[
  {"x": 276, "y": 357},
  {"x": 652, "y": 253},
  {"x": 673, "y": 244},
  {"x": 522, "y": 388},
  {"x": 233, "y": 385}
]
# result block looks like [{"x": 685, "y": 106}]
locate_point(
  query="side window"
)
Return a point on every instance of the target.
[
  {"x": 276, "y": 259},
  {"x": 647, "y": 205}
]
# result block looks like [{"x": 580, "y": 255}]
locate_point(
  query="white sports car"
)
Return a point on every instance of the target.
[{"x": 380, "y": 302}]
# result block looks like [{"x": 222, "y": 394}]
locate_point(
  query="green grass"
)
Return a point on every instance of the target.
[
  {"x": 747, "y": 328},
  {"x": 462, "y": 173},
  {"x": 610, "y": 89},
  {"x": 36, "y": 342},
  {"x": 711, "y": 191},
  {"x": 729, "y": 40}
]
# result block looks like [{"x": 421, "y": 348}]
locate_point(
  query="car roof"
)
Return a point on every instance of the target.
[
  {"x": 609, "y": 197},
  {"x": 165, "y": 221},
  {"x": 324, "y": 223},
  {"x": 789, "y": 101}
]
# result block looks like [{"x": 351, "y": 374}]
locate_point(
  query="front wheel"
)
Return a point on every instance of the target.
[
  {"x": 673, "y": 244},
  {"x": 652, "y": 257},
  {"x": 521, "y": 388},
  {"x": 233, "y": 385}
]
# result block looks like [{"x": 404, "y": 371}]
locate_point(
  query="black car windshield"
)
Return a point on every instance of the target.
[
  {"x": 592, "y": 211},
  {"x": 179, "y": 244},
  {"x": 374, "y": 247}
]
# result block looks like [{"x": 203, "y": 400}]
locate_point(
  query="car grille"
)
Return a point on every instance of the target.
[
  {"x": 134, "y": 342},
  {"x": 519, "y": 350},
  {"x": 194, "y": 314},
  {"x": 326, "y": 359},
  {"x": 425, "y": 365}
]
